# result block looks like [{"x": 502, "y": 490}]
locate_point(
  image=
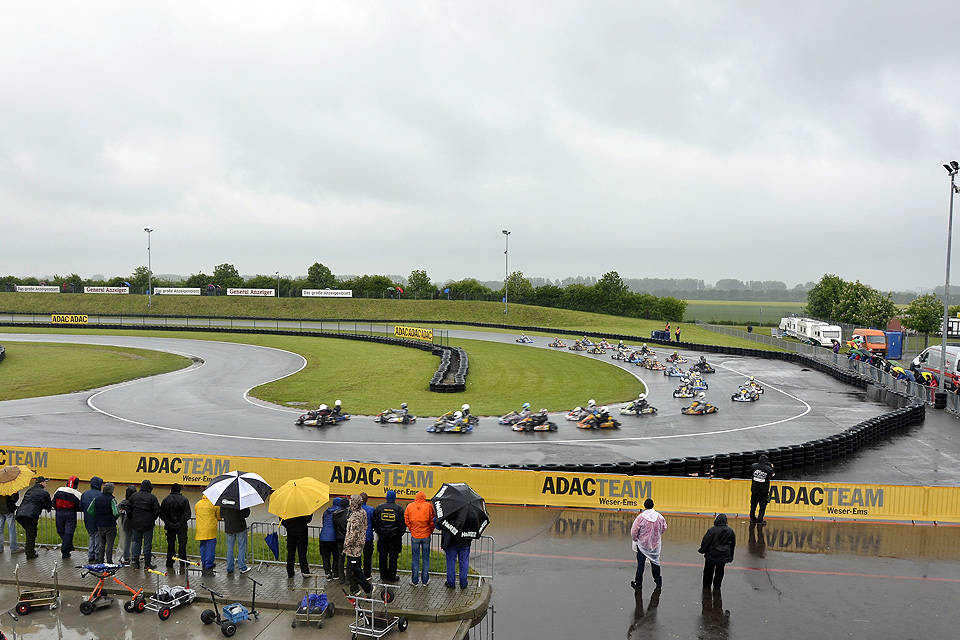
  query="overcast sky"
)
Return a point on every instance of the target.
[{"x": 747, "y": 140}]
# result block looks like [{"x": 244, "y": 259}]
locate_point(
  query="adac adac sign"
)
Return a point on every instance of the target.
[{"x": 413, "y": 332}]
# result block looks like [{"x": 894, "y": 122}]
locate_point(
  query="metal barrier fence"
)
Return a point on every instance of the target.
[{"x": 482, "y": 554}]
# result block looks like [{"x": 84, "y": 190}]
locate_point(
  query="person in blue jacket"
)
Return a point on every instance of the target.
[
  {"x": 368, "y": 542},
  {"x": 328, "y": 540}
]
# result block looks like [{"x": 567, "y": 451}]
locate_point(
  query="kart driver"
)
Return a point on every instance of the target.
[
  {"x": 337, "y": 408},
  {"x": 524, "y": 412},
  {"x": 700, "y": 404},
  {"x": 602, "y": 416},
  {"x": 402, "y": 413}
]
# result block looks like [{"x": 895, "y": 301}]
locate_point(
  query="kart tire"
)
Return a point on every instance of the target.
[
  {"x": 552, "y": 425},
  {"x": 86, "y": 607},
  {"x": 23, "y": 608},
  {"x": 208, "y": 616},
  {"x": 299, "y": 422},
  {"x": 140, "y": 604},
  {"x": 128, "y": 606},
  {"x": 402, "y": 624},
  {"x": 228, "y": 629},
  {"x": 163, "y": 613}
]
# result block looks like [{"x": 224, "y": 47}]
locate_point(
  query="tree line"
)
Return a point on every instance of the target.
[{"x": 610, "y": 294}]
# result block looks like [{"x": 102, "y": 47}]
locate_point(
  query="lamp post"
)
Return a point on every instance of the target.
[
  {"x": 278, "y": 284},
  {"x": 149, "y": 270},
  {"x": 952, "y": 169},
  {"x": 506, "y": 268}
]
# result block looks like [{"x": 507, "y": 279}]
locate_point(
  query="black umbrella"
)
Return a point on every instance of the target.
[
  {"x": 460, "y": 510},
  {"x": 237, "y": 490}
]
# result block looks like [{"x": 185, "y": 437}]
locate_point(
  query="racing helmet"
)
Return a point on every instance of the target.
[
  {"x": 592, "y": 403},
  {"x": 526, "y": 405},
  {"x": 458, "y": 415},
  {"x": 403, "y": 405},
  {"x": 644, "y": 345},
  {"x": 465, "y": 407},
  {"x": 603, "y": 409},
  {"x": 701, "y": 396},
  {"x": 751, "y": 378},
  {"x": 543, "y": 411},
  {"x": 642, "y": 396},
  {"x": 322, "y": 407},
  {"x": 337, "y": 403}
]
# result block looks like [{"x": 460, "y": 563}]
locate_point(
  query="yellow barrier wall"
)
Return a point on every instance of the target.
[{"x": 606, "y": 491}]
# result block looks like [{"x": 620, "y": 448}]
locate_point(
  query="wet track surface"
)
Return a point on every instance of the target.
[{"x": 564, "y": 573}]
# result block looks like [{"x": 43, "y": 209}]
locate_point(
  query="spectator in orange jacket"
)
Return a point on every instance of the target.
[{"x": 419, "y": 517}]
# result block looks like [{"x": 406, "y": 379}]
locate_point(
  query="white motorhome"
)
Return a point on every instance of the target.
[
  {"x": 788, "y": 326},
  {"x": 929, "y": 361},
  {"x": 819, "y": 333},
  {"x": 824, "y": 334}
]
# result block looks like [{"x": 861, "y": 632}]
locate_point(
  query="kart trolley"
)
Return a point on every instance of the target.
[
  {"x": 228, "y": 616},
  {"x": 165, "y": 598},
  {"x": 98, "y": 598},
  {"x": 27, "y": 600},
  {"x": 314, "y": 608},
  {"x": 373, "y": 618}
]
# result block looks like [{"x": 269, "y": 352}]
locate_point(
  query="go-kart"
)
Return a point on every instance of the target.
[
  {"x": 448, "y": 424},
  {"x": 646, "y": 351},
  {"x": 638, "y": 408},
  {"x": 676, "y": 359},
  {"x": 536, "y": 422},
  {"x": 745, "y": 394},
  {"x": 578, "y": 414},
  {"x": 653, "y": 364},
  {"x": 699, "y": 409},
  {"x": 525, "y": 340},
  {"x": 594, "y": 422},
  {"x": 587, "y": 342},
  {"x": 577, "y": 346},
  {"x": 511, "y": 418},
  {"x": 557, "y": 343},
  {"x": 697, "y": 383},
  {"x": 395, "y": 417},
  {"x": 684, "y": 391},
  {"x": 315, "y": 418},
  {"x": 674, "y": 371},
  {"x": 753, "y": 384},
  {"x": 603, "y": 344},
  {"x": 703, "y": 367},
  {"x": 622, "y": 354},
  {"x": 634, "y": 358},
  {"x": 597, "y": 349}
]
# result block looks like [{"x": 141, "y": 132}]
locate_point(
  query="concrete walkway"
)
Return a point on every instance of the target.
[{"x": 432, "y": 603}]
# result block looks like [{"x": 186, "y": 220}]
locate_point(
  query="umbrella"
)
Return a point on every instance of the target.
[
  {"x": 14, "y": 478},
  {"x": 460, "y": 510},
  {"x": 237, "y": 490},
  {"x": 273, "y": 543},
  {"x": 299, "y": 497}
]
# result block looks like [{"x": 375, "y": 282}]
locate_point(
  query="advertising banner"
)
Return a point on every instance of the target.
[
  {"x": 327, "y": 293},
  {"x": 30, "y": 288},
  {"x": 413, "y": 332},
  {"x": 62, "y": 318},
  {"x": 106, "y": 289},
  {"x": 818, "y": 500},
  {"x": 177, "y": 291},
  {"x": 265, "y": 293}
]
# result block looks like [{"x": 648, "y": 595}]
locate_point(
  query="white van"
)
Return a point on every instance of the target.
[{"x": 929, "y": 360}]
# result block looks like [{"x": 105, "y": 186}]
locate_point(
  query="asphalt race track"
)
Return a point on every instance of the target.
[{"x": 205, "y": 409}]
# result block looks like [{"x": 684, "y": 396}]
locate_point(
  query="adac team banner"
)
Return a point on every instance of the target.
[
  {"x": 820, "y": 500},
  {"x": 63, "y": 318},
  {"x": 413, "y": 332},
  {"x": 265, "y": 293}
]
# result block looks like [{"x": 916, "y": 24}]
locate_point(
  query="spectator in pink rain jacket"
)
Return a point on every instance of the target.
[{"x": 646, "y": 532}]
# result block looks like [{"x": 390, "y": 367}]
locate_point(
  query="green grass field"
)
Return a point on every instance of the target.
[
  {"x": 40, "y": 369},
  {"x": 741, "y": 312}
]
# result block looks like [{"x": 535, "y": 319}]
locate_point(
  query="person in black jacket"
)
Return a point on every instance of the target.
[
  {"x": 340, "y": 518},
  {"x": 761, "y": 473},
  {"x": 35, "y": 501},
  {"x": 86, "y": 499},
  {"x": 175, "y": 513},
  {"x": 389, "y": 525},
  {"x": 124, "y": 532},
  {"x": 235, "y": 526},
  {"x": 717, "y": 548},
  {"x": 297, "y": 540},
  {"x": 143, "y": 512},
  {"x": 8, "y": 518},
  {"x": 104, "y": 513}
]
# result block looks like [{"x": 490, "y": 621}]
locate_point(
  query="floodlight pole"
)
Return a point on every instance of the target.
[
  {"x": 149, "y": 270},
  {"x": 952, "y": 169},
  {"x": 506, "y": 268},
  {"x": 278, "y": 284}
]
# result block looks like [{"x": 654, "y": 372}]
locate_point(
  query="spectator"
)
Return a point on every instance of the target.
[
  {"x": 86, "y": 499},
  {"x": 368, "y": 540},
  {"x": 208, "y": 516},
  {"x": 646, "y": 533},
  {"x": 457, "y": 549},
  {"x": 717, "y": 548},
  {"x": 678, "y": 333},
  {"x": 124, "y": 532},
  {"x": 8, "y": 518},
  {"x": 389, "y": 525},
  {"x": 297, "y": 540},
  {"x": 143, "y": 513},
  {"x": 419, "y": 518},
  {"x": 761, "y": 473},
  {"x": 340, "y": 517},
  {"x": 104, "y": 512},
  {"x": 328, "y": 541},
  {"x": 235, "y": 526},
  {"x": 353, "y": 544},
  {"x": 35, "y": 501},
  {"x": 175, "y": 513},
  {"x": 66, "y": 503}
]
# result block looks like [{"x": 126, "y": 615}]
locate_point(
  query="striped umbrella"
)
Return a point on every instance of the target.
[{"x": 237, "y": 490}]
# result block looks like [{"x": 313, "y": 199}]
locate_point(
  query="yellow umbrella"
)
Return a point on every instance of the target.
[
  {"x": 15, "y": 478},
  {"x": 300, "y": 497}
]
